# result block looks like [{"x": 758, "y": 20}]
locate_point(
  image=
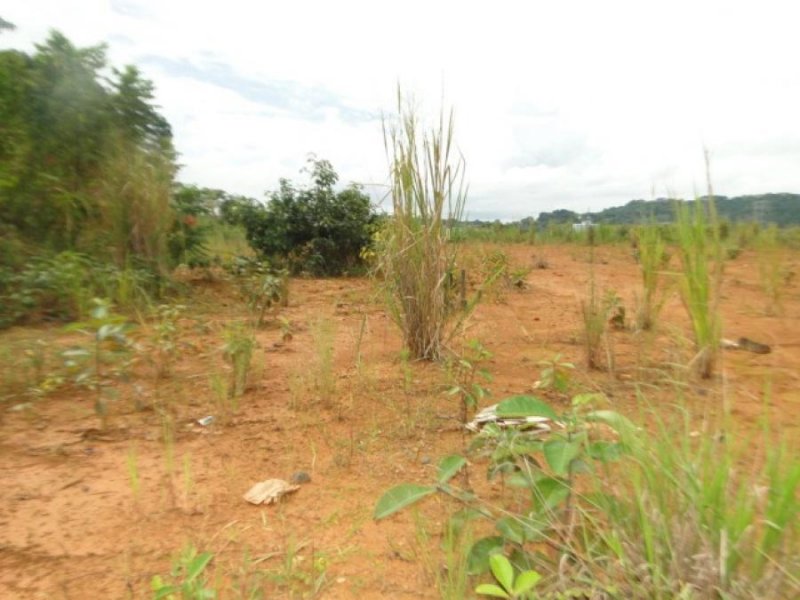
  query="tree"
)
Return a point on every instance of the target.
[
  {"x": 314, "y": 229},
  {"x": 67, "y": 136}
]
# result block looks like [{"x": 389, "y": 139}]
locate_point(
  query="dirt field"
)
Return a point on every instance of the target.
[{"x": 73, "y": 524}]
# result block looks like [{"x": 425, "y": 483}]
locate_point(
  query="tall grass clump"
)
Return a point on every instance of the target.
[
  {"x": 652, "y": 258},
  {"x": 417, "y": 260},
  {"x": 700, "y": 250},
  {"x": 695, "y": 517},
  {"x": 771, "y": 269},
  {"x": 134, "y": 207}
]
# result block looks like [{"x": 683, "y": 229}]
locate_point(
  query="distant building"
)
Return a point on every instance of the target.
[{"x": 585, "y": 224}]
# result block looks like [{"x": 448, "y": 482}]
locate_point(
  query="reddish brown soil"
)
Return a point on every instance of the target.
[{"x": 71, "y": 525}]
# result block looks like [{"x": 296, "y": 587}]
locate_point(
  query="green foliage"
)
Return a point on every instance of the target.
[
  {"x": 551, "y": 480},
  {"x": 65, "y": 129},
  {"x": 556, "y": 374},
  {"x": 105, "y": 357},
  {"x": 187, "y": 579},
  {"x": 86, "y": 169},
  {"x": 512, "y": 587},
  {"x": 238, "y": 352},
  {"x": 781, "y": 209},
  {"x": 596, "y": 313},
  {"x": 624, "y": 511},
  {"x": 314, "y": 229},
  {"x": 772, "y": 269},
  {"x": 653, "y": 258},
  {"x": 196, "y": 217},
  {"x": 61, "y": 287},
  {"x": 262, "y": 286},
  {"x": 467, "y": 376},
  {"x": 399, "y": 497},
  {"x": 700, "y": 252},
  {"x": 166, "y": 338}
]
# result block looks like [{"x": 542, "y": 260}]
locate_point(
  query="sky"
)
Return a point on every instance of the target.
[{"x": 568, "y": 104}]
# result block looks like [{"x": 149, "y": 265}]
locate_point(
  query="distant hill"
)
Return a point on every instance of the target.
[{"x": 783, "y": 209}]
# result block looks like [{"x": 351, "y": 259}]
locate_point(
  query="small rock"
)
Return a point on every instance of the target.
[
  {"x": 426, "y": 460},
  {"x": 301, "y": 477}
]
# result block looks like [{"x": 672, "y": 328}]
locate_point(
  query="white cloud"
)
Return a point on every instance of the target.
[{"x": 569, "y": 104}]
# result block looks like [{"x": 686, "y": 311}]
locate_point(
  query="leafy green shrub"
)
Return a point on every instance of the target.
[
  {"x": 61, "y": 287},
  {"x": 314, "y": 229},
  {"x": 188, "y": 239}
]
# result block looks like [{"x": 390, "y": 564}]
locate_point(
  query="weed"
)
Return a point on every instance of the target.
[
  {"x": 451, "y": 578},
  {"x": 596, "y": 313},
  {"x": 225, "y": 403},
  {"x": 262, "y": 286},
  {"x": 556, "y": 374},
  {"x": 165, "y": 338},
  {"x": 467, "y": 376},
  {"x": 652, "y": 260},
  {"x": 93, "y": 366},
  {"x": 654, "y": 512},
  {"x": 771, "y": 269},
  {"x": 701, "y": 278},
  {"x": 238, "y": 352},
  {"x": 511, "y": 586},
  {"x": 287, "y": 329},
  {"x": 427, "y": 195},
  {"x": 301, "y": 576},
  {"x": 322, "y": 333},
  {"x": 187, "y": 579}
]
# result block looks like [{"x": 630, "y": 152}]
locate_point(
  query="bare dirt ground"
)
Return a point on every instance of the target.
[{"x": 72, "y": 524}]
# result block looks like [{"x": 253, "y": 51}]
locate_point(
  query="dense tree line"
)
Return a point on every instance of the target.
[
  {"x": 86, "y": 160},
  {"x": 781, "y": 209}
]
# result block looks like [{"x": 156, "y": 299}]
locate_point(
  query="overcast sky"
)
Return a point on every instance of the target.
[{"x": 558, "y": 104}]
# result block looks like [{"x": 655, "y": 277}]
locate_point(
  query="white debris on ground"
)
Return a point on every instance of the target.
[{"x": 269, "y": 491}]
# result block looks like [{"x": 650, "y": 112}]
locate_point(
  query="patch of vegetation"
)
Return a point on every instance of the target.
[
  {"x": 613, "y": 510},
  {"x": 311, "y": 229},
  {"x": 415, "y": 256}
]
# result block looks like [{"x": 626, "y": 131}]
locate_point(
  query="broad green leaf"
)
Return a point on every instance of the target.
[
  {"x": 525, "y": 406},
  {"x": 526, "y": 582},
  {"x": 520, "y": 529},
  {"x": 449, "y": 466},
  {"x": 550, "y": 492},
  {"x": 560, "y": 453},
  {"x": 399, "y": 497},
  {"x": 502, "y": 571},
  {"x": 478, "y": 559},
  {"x": 605, "y": 451},
  {"x": 613, "y": 419},
  {"x": 520, "y": 479},
  {"x": 490, "y": 589}
]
